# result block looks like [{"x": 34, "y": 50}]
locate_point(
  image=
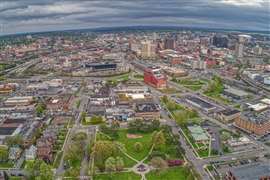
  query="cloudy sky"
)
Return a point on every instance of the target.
[{"x": 17, "y": 16}]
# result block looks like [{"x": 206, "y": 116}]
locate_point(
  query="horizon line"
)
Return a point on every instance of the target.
[{"x": 138, "y": 27}]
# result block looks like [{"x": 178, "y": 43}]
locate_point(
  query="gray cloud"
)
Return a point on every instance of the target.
[{"x": 31, "y": 15}]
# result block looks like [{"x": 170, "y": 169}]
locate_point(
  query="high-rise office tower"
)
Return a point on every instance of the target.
[
  {"x": 148, "y": 49},
  {"x": 169, "y": 43},
  {"x": 239, "y": 49}
]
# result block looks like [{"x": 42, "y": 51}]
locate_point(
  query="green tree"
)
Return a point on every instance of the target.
[
  {"x": 181, "y": 118},
  {"x": 138, "y": 146},
  {"x": 158, "y": 139},
  {"x": 83, "y": 116},
  {"x": 111, "y": 131},
  {"x": 165, "y": 99},
  {"x": 45, "y": 171},
  {"x": 119, "y": 163},
  {"x": 14, "y": 141},
  {"x": 155, "y": 124},
  {"x": 102, "y": 150},
  {"x": 110, "y": 164},
  {"x": 74, "y": 154},
  {"x": 40, "y": 109},
  {"x": 38, "y": 169}
]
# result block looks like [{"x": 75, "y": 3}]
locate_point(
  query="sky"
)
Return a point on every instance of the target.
[{"x": 20, "y": 16}]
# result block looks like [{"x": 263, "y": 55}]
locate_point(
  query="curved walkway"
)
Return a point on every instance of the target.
[{"x": 138, "y": 163}]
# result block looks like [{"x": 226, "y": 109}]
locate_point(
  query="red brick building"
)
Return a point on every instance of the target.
[
  {"x": 45, "y": 149},
  {"x": 154, "y": 77},
  {"x": 259, "y": 125}
]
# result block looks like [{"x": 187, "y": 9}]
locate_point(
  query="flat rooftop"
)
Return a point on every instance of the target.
[
  {"x": 258, "y": 107},
  {"x": 147, "y": 107},
  {"x": 198, "y": 133},
  {"x": 229, "y": 112},
  {"x": 235, "y": 91},
  {"x": 200, "y": 102},
  {"x": 7, "y": 130},
  {"x": 258, "y": 118}
]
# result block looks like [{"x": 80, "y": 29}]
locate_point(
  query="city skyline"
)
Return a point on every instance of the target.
[{"x": 47, "y": 15}]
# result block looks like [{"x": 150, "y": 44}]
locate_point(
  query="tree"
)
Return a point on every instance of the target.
[
  {"x": 83, "y": 116},
  {"x": 74, "y": 153},
  {"x": 110, "y": 164},
  {"x": 158, "y": 139},
  {"x": 159, "y": 164},
  {"x": 111, "y": 131},
  {"x": 155, "y": 124},
  {"x": 165, "y": 99},
  {"x": 102, "y": 150},
  {"x": 40, "y": 109},
  {"x": 3, "y": 154},
  {"x": 45, "y": 171},
  {"x": 140, "y": 126},
  {"x": 38, "y": 169},
  {"x": 14, "y": 141},
  {"x": 80, "y": 136},
  {"x": 119, "y": 163},
  {"x": 115, "y": 125},
  {"x": 138, "y": 146}
]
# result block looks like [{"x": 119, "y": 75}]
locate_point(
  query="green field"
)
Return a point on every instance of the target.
[
  {"x": 176, "y": 173},
  {"x": 129, "y": 144},
  {"x": 191, "y": 84},
  {"x": 118, "y": 176},
  {"x": 6, "y": 165}
]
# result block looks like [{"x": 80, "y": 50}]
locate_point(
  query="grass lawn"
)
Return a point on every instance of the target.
[
  {"x": 191, "y": 84},
  {"x": 6, "y": 165},
  {"x": 170, "y": 174},
  {"x": 129, "y": 144},
  {"x": 118, "y": 176},
  {"x": 92, "y": 121},
  {"x": 122, "y": 77},
  {"x": 127, "y": 161},
  {"x": 218, "y": 98},
  {"x": 194, "y": 87},
  {"x": 15, "y": 178},
  {"x": 170, "y": 91},
  {"x": 203, "y": 152}
]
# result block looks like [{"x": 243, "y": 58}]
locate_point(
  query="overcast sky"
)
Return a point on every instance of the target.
[{"x": 17, "y": 16}]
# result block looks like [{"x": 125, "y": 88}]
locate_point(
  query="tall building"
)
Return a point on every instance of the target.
[
  {"x": 220, "y": 41},
  {"x": 242, "y": 39},
  {"x": 169, "y": 43},
  {"x": 239, "y": 50},
  {"x": 148, "y": 49},
  {"x": 154, "y": 77},
  {"x": 258, "y": 50}
]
